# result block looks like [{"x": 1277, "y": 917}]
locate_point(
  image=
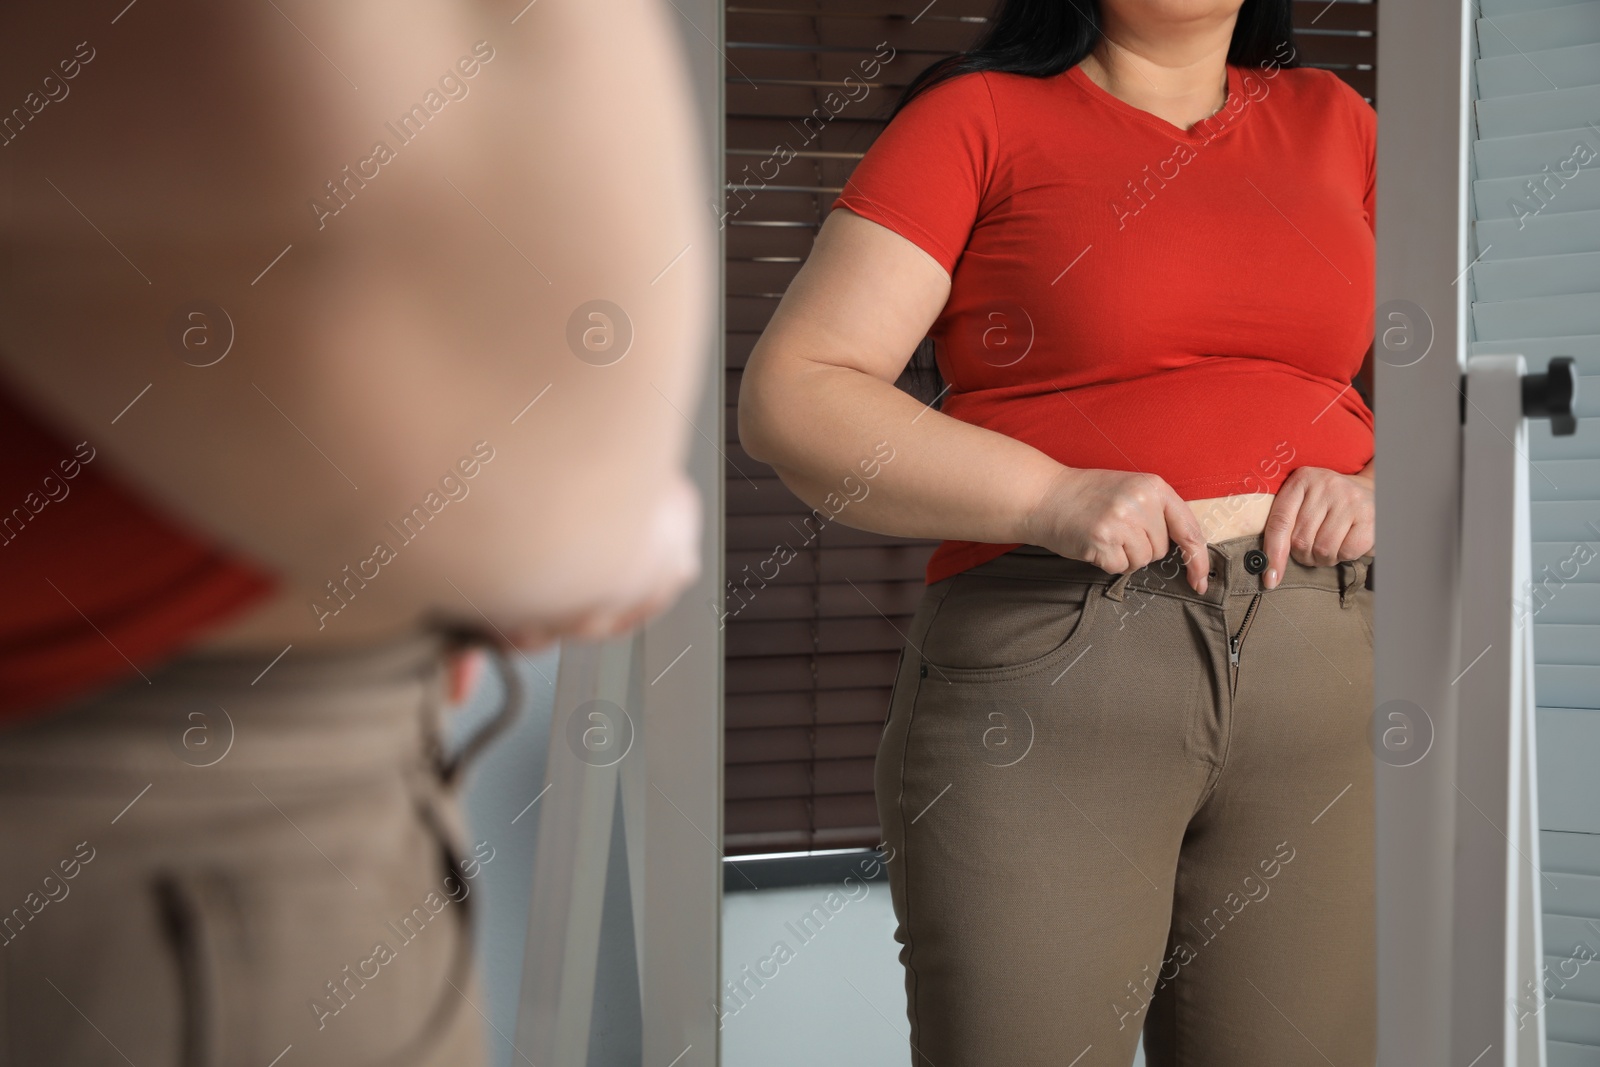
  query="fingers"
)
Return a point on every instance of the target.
[
  {"x": 1143, "y": 545},
  {"x": 1184, "y": 529},
  {"x": 1162, "y": 519},
  {"x": 1158, "y": 519},
  {"x": 1280, "y": 528},
  {"x": 1307, "y": 527},
  {"x": 1329, "y": 537},
  {"x": 1115, "y": 561},
  {"x": 1319, "y": 517},
  {"x": 1146, "y": 540},
  {"x": 1146, "y": 544},
  {"x": 1333, "y": 504},
  {"x": 1359, "y": 541},
  {"x": 465, "y": 669}
]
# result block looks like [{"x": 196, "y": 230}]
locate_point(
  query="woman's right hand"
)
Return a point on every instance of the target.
[{"x": 1117, "y": 520}]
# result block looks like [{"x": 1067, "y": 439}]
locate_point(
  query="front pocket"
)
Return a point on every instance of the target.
[{"x": 990, "y": 627}]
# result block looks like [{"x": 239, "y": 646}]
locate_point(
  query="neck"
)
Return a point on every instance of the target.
[{"x": 1181, "y": 78}]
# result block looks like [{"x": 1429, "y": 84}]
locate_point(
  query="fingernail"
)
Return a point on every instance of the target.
[{"x": 1272, "y": 577}]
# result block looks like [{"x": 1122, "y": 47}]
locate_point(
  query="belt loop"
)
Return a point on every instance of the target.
[
  {"x": 1349, "y": 577},
  {"x": 1117, "y": 585}
]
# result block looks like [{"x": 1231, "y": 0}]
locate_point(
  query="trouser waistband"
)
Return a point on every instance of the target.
[
  {"x": 351, "y": 699},
  {"x": 1237, "y": 568}
]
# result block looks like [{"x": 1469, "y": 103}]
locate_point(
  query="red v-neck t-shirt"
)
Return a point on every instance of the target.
[{"x": 1129, "y": 295}]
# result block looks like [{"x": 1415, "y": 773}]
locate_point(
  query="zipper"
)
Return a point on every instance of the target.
[{"x": 1237, "y": 640}]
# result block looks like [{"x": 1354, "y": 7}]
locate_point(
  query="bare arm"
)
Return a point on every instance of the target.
[
  {"x": 391, "y": 337},
  {"x": 818, "y": 395}
]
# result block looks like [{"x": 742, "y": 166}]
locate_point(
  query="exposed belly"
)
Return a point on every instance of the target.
[
  {"x": 1222, "y": 517},
  {"x": 286, "y": 617}
]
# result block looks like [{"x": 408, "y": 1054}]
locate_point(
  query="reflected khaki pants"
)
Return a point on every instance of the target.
[
  {"x": 198, "y": 871},
  {"x": 1116, "y": 806}
]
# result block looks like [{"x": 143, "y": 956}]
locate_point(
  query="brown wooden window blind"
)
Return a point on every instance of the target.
[{"x": 812, "y": 642}]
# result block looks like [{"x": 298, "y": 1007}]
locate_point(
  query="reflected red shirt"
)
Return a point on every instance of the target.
[
  {"x": 1128, "y": 295},
  {"x": 98, "y": 585}
]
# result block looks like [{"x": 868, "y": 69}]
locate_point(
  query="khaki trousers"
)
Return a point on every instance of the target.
[
  {"x": 200, "y": 870},
  {"x": 1113, "y": 805}
]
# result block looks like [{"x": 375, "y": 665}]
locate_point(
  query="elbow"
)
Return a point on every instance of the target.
[
  {"x": 749, "y": 431},
  {"x": 754, "y": 422}
]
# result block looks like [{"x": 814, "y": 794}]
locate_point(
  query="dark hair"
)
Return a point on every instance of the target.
[{"x": 1043, "y": 38}]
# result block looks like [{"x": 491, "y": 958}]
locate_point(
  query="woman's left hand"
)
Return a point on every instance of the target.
[{"x": 1319, "y": 517}]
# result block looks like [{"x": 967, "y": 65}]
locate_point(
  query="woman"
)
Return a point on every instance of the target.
[
  {"x": 1124, "y": 781},
  {"x": 241, "y": 536}
]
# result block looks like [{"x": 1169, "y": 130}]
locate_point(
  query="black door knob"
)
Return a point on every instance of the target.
[{"x": 1553, "y": 395}]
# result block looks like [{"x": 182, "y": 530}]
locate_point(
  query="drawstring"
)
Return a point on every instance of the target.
[
  {"x": 440, "y": 1021},
  {"x": 182, "y": 898},
  {"x": 459, "y": 638}
]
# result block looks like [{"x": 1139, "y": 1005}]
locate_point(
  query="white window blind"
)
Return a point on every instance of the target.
[{"x": 1536, "y": 291}]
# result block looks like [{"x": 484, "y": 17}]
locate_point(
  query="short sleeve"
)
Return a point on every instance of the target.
[
  {"x": 926, "y": 175},
  {"x": 1369, "y": 136},
  {"x": 1366, "y": 120}
]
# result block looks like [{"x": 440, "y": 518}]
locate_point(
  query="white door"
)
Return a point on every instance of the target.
[
  {"x": 1536, "y": 291},
  {"x": 1490, "y": 246}
]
